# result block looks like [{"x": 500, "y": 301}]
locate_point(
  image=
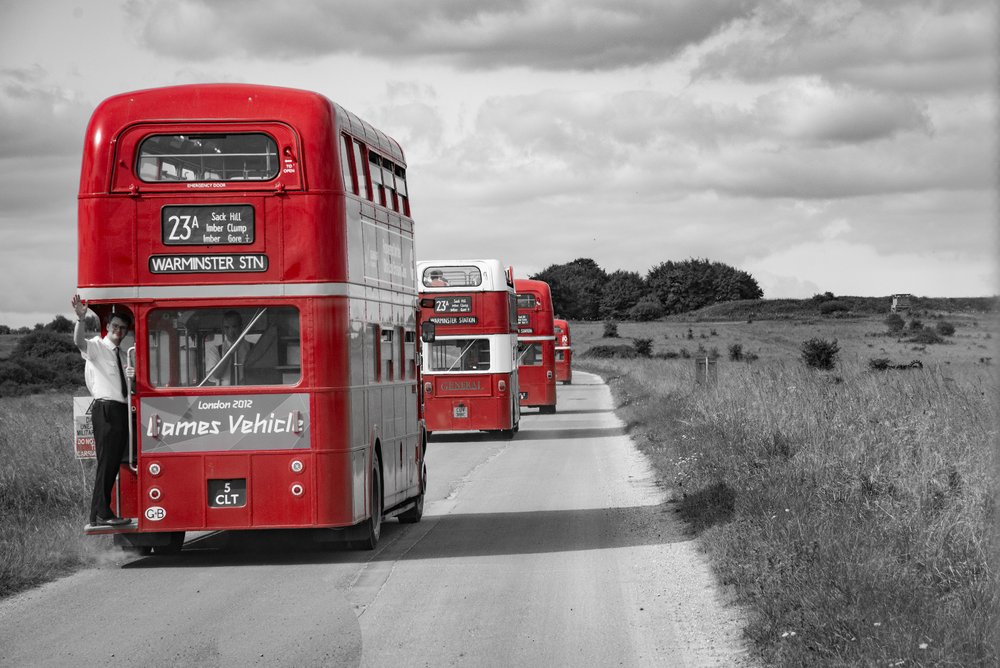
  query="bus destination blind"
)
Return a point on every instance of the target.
[
  {"x": 207, "y": 225},
  {"x": 461, "y": 304}
]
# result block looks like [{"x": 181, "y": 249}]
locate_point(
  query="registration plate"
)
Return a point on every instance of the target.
[
  {"x": 230, "y": 493},
  {"x": 522, "y": 395},
  {"x": 460, "y": 411}
]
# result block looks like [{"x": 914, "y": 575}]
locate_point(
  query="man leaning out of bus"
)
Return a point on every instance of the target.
[{"x": 105, "y": 375}]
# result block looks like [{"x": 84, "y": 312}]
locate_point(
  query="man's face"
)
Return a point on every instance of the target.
[
  {"x": 231, "y": 329},
  {"x": 117, "y": 329}
]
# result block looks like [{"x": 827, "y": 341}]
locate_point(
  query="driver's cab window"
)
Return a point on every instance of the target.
[{"x": 224, "y": 346}]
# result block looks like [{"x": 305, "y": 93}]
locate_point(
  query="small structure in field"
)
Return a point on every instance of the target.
[{"x": 901, "y": 302}]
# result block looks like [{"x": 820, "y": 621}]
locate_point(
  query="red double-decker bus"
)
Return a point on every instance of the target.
[
  {"x": 469, "y": 326},
  {"x": 536, "y": 345},
  {"x": 564, "y": 352},
  {"x": 261, "y": 239}
]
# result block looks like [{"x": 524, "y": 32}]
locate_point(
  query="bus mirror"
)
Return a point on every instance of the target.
[
  {"x": 427, "y": 302},
  {"x": 427, "y": 332}
]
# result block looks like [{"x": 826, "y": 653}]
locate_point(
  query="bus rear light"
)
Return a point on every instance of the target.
[
  {"x": 548, "y": 375},
  {"x": 297, "y": 489},
  {"x": 502, "y": 385},
  {"x": 428, "y": 387},
  {"x": 154, "y": 469},
  {"x": 154, "y": 493},
  {"x": 297, "y": 466}
]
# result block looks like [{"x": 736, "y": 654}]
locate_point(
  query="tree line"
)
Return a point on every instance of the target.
[{"x": 582, "y": 290}]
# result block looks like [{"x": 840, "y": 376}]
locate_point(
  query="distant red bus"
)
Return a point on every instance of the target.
[
  {"x": 469, "y": 326},
  {"x": 536, "y": 345},
  {"x": 564, "y": 352},
  {"x": 279, "y": 214}
]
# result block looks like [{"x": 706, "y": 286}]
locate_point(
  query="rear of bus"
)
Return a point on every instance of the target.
[
  {"x": 536, "y": 345},
  {"x": 469, "y": 371},
  {"x": 564, "y": 352},
  {"x": 212, "y": 208}
]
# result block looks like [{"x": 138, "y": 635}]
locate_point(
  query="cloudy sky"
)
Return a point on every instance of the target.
[{"x": 841, "y": 145}]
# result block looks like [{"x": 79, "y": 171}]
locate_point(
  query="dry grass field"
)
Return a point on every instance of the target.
[
  {"x": 851, "y": 511},
  {"x": 44, "y": 493}
]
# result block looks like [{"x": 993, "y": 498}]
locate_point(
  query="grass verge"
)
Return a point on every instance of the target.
[
  {"x": 44, "y": 494},
  {"x": 853, "y": 515}
]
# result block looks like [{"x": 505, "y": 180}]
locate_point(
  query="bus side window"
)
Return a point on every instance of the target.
[
  {"x": 371, "y": 354},
  {"x": 350, "y": 183},
  {"x": 389, "y": 180},
  {"x": 410, "y": 353},
  {"x": 359, "y": 166},
  {"x": 386, "y": 350},
  {"x": 375, "y": 171},
  {"x": 404, "y": 199}
]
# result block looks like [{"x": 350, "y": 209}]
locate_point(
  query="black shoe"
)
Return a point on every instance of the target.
[{"x": 110, "y": 521}]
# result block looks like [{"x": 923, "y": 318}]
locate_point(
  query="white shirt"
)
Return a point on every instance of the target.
[
  {"x": 215, "y": 348},
  {"x": 101, "y": 370}
]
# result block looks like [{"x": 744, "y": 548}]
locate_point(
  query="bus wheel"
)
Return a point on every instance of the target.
[
  {"x": 507, "y": 434},
  {"x": 413, "y": 515},
  {"x": 372, "y": 527},
  {"x": 547, "y": 410},
  {"x": 173, "y": 547}
]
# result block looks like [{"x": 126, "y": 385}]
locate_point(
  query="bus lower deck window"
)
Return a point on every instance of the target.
[{"x": 205, "y": 347}]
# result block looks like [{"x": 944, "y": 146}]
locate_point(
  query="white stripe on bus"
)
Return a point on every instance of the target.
[{"x": 260, "y": 290}]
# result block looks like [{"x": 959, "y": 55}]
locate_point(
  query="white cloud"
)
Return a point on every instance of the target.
[
  {"x": 544, "y": 34},
  {"x": 910, "y": 45},
  {"x": 850, "y": 269}
]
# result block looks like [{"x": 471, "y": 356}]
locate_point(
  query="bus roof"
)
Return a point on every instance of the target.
[
  {"x": 311, "y": 114},
  {"x": 494, "y": 275}
]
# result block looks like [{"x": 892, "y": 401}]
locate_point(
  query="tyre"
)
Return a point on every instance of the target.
[
  {"x": 371, "y": 529},
  {"x": 547, "y": 410},
  {"x": 413, "y": 515}
]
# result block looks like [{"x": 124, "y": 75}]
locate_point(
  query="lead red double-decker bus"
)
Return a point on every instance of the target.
[
  {"x": 469, "y": 327},
  {"x": 261, "y": 239},
  {"x": 536, "y": 345},
  {"x": 564, "y": 352}
]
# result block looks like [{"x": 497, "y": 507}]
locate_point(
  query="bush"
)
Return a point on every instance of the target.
[
  {"x": 945, "y": 328},
  {"x": 608, "y": 352},
  {"x": 833, "y": 306},
  {"x": 736, "y": 352},
  {"x": 879, "y": 363},
  {"x": 915, "y": 325},
  {"x": 925, "y": 335},
  {"x": 44, "y": 343},
  {"x": 611, "y": 329},
  {"x": 648, "y": 308},
  {"x": 819, "y": 353},
  {"x": 643, "y": 347},
  {"x": 895, "y": 323}
]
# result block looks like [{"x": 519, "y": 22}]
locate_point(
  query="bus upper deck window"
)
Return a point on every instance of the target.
[
  {"x": 247, "y": 156},
  {"x": 359, "y": 166},
  {"x": 345, "y": 165}
]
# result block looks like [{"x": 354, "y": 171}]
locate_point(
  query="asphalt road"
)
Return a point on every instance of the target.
[{"x": 556, "y": 548}]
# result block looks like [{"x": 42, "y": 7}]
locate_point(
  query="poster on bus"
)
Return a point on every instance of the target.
[
  {"x": 83, "y": 428},
  {"x": 224, "y": 422}
]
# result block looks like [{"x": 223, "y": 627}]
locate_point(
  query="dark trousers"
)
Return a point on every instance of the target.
[{"x": 110, "y": 439}]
